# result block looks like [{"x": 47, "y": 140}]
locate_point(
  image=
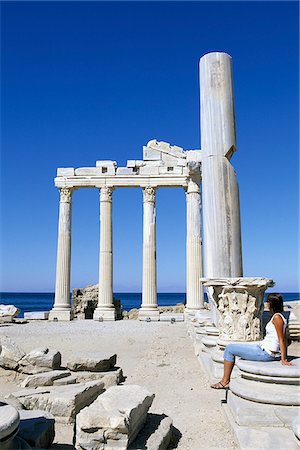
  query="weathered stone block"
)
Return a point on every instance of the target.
[
  {"x": 149, "y": 170},
  {"x": 125, "y": 171},
  {"x": 8, "y": 312},
  {"x": 155, "y": 435},
  {"x": 65, "y": 172},
  {"x": 150, "y": 154},
  {"x": 36, "y": 315},
  {"x": 87, "y": 171},
  {"x": 64, "y": 402},
  {"x": 11, "y": 353},
  {"x": 114, "y": 419},
  {"x": 94, "y": 362},
  {"x": 112, "y": 377},
  {"x": 40, "y": 358},
  {"x": 37, "y": 428},
  {"x": 44, "y": 378}
]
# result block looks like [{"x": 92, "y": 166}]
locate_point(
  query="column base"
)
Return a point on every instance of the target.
[
  {"x": 149, "y": 315},
  {"x": 104, "y": 314},
  {"x": 57, "y": 315},
  {"x": 189, "y": 313}
]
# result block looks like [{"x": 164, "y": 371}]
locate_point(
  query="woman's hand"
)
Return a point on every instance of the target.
[{"x": 285, "y": 362}]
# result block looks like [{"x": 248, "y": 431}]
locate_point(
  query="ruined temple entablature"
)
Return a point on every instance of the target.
[{"x": 163, "y": 164}]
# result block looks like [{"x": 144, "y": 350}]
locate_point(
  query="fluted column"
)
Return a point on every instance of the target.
[
  {"x": 105, "y": 309},
  {"x": 194, "y": 289},
  {"x": 62, "y": 304},
  {"x": 149, "y": 309}
]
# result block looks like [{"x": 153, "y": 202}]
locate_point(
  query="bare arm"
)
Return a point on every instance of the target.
[{"x": 278, "y": 324}]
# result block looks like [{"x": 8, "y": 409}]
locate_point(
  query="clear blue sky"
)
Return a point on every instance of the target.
[{"x": 83, "y": 81}]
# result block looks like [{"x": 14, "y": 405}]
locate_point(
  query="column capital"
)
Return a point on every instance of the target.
[
  {"x": 149, "y": 194},
  {"x": 106, "y": 194},
  {"x": 193, "y": 187},
  {"x": 65, "y": 195}
]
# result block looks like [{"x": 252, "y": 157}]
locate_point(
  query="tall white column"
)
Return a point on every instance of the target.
[
  {"x": 194, "y": 289},
  {"x": 220, "y": 194},
  {"x": 149, "y": 307},
  {"x": 105, "y": 309},
  {"x": 62, "y": 305}
]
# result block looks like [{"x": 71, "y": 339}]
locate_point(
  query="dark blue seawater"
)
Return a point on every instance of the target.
[{"x": 29, "y": 301}]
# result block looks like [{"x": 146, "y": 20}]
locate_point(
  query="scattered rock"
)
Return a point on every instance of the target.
[
  {"x": 109, "y": 378},
  {"x": 173, "y": 311},
  {"x": 114, "y": 419},
  {"x": 11, "y": 353},
  {"x": 8, "y": 312},
  {"x": 155, "y": 435},
  {"x": 44, "y": 378},
  {"x": 37, "y": 428},
  {"x": 40, "y": 358},
  {"x": 93, "y": 362},
  {"x": 64, "y": 402}
]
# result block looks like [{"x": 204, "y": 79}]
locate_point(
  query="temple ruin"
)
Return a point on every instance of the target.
[{"x": 165, "y": 165}]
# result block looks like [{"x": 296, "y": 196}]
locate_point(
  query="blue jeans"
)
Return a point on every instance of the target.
[{"x": 252, "y": 352}]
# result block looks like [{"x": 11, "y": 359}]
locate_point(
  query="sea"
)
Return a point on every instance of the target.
[{"x": 43, "y": 301}]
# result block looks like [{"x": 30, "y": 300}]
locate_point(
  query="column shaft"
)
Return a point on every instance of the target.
[
  {"x": 62, "y": 304},
  {"x": 221, "y": 209},
  {"x": 194, "y": 289},
  {"x": 105, "y": 308},
  {"x": 149, "y": 294}
]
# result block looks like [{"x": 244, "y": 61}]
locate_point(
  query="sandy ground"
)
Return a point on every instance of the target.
[{"x": 159, "y": 356}]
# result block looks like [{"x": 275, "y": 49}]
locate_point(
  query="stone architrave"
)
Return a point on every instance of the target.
[
  {"x": 220, "y": 194},
  {"x": 105, "y": 309},
  {"x": 239, "y": 302},
  {"x": 62, "y": 304},
  {"x": 149, "y": 307},
  {"x": 194, "y": 289}
]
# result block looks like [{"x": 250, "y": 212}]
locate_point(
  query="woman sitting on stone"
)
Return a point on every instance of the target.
[{"x": 272, "y": 347}]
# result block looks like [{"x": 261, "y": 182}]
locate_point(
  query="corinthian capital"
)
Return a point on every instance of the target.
[
  {"x": 106, "y": 194},
  {"x": 65, "y": 195},
  {"x": 149, "y": 194}
]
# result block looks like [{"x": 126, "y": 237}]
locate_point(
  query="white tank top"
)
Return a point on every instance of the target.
[{"x": 270, "y": 343}]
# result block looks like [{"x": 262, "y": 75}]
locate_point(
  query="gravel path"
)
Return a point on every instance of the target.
[{"x": 158, "y": 356}]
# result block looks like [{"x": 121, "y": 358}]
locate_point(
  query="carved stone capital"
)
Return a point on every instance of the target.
[
  {"x": 149, "y": 194},
  {"x": 65, "y": 195},
  {"x": 239, "y": 302},
  {"x": 106, "y": 194}
]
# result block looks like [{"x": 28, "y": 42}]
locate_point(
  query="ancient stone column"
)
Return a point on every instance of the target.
[
  {"x": 220, "y": 194},
  {"x": 105, "y": 309},
  {"x": 194, "y": 290},
  {"x": 62, "y": 303},
  {"x": 149, "y": 309}
]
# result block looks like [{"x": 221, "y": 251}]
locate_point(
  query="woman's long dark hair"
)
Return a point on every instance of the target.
[{"x": 275, "y": 302}]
